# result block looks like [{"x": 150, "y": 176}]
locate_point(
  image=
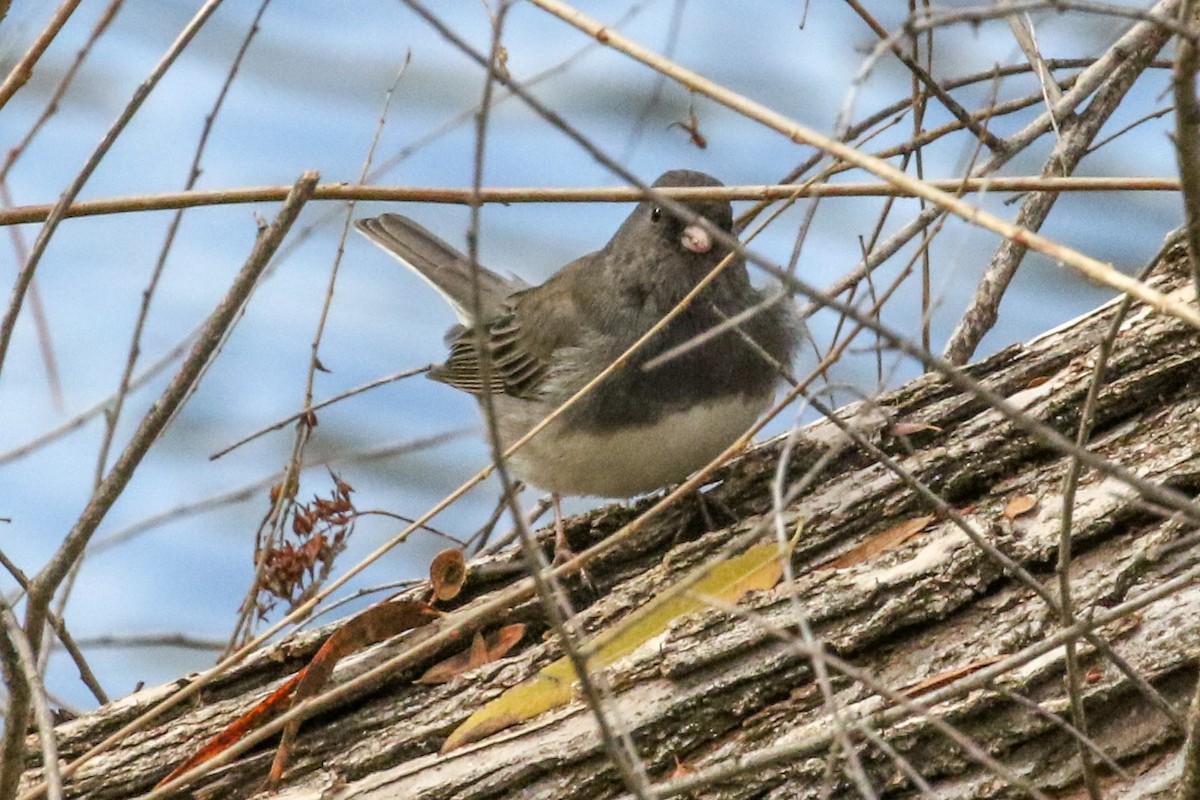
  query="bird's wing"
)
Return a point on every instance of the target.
[
  {"x": 441, "y": 266},
  {"x": 522, "y": 339}
]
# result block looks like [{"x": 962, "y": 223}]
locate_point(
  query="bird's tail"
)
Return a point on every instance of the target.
[{"x": 441, "y": 266}]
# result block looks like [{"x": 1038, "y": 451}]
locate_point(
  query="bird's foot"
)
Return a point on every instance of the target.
[{"x": 562, "y": 548}]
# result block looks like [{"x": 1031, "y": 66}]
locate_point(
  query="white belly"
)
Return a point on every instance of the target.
[{"x": 627, "y": 462}]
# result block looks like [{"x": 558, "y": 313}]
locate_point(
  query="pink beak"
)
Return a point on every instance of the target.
[{"x": 696, "y": 239}]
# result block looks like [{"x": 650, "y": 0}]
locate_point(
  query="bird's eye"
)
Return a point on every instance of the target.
[{"x": 655, "y": 214}]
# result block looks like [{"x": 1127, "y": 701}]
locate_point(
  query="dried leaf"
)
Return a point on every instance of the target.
[
  {"x": 723, "y": 583},
  {"x": 889, "y": 539},
  {"x": 942, "y": 678},
  {"x": 447, "y": 574},
  {"x": 1036, "y": 382},
  {"x": 266, "y": 710},
  {"x": 483, "y": 650},
  {"x": 909, "y": 428},
  {"x": 371, "y": 626},
  {"x": 503, "y": 640},
  {"x": 1021, "y": 504}
]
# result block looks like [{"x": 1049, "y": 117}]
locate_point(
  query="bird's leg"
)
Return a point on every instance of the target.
[
  {"x": 562, "y": 548},
  {"x": 707, "y": 505}
]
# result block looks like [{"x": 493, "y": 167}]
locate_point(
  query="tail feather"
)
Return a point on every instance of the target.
[{"x": 441, "y": 266}]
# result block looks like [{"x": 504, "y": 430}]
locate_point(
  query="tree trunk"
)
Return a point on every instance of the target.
[{"x": 725, "y": 687}]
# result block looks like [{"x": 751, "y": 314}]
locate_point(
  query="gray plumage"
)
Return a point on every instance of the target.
[{"x": 639, "y": 429}]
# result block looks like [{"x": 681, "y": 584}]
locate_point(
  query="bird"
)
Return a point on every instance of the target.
[{"x": 639, "y": 430}]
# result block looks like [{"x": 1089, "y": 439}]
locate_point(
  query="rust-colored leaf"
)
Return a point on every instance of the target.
[
  {"x": 909, "y": 428},
  {"x": 942, "y": 678},
  {"x": 1021, "y": 504},
  {"x": 882, "y": 542},
  {"x": 447, "y": 574},
  {"x": 483, "y": 650},
  {"x": 267, "y": 709},
  {"x": 1036, "y": 382},
  {"x": 503, "y": 640},
  {"x": 371, "y": 626}
]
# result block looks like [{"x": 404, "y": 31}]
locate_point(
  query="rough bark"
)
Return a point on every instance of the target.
[{"x": 720, "y": 685}]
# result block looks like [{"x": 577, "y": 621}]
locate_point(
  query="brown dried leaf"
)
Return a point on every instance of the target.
[
  {"x": 373, "y": 625},
  {"x": 1021, "y": 504},
  {"x": 483, "y": 650},
  {"x": 909, "y": 428},
  {"x": 942, "y": 678},
  {"x": 891, "y": 538},
  {"x": 447, "y": 574},
  {"x": 500, "y": 642}
]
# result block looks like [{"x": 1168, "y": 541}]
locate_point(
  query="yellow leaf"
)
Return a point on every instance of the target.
[{"x": 724, "y": 583}]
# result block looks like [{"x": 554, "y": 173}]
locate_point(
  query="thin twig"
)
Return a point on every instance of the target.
[
  {"x": 921, "y": 75},
  {"x": 98, "y": 409},
  {"x": 814, "y": 649},
  {"x": 249, "y": 490},
  {"x": 654, "y": 97},
  {"x": 1022, "y": 28},
  {"x": 1063, "y": 725},
  {"x": 1063, "y": 567},
  {"x": 60, "y": 629},
  {"x": 36, "y": 308},
  {"x": 1076, "y": 134},
  {"x": 22, "y": 71},
  {"x": 1187, "y": 137},
  {"x": 935, "y": 18},
  {"x": 25, "y": 276},
  {"x": 113, "y": 413},
  {"x": 26, "y": 662},
  {"x": 606, "y": 194},
  {"x": 337, "y": 398},
  {"x": 68, "y": 77}
]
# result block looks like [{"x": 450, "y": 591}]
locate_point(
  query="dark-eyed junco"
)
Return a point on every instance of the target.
[{"x": 640, "y": 429}]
